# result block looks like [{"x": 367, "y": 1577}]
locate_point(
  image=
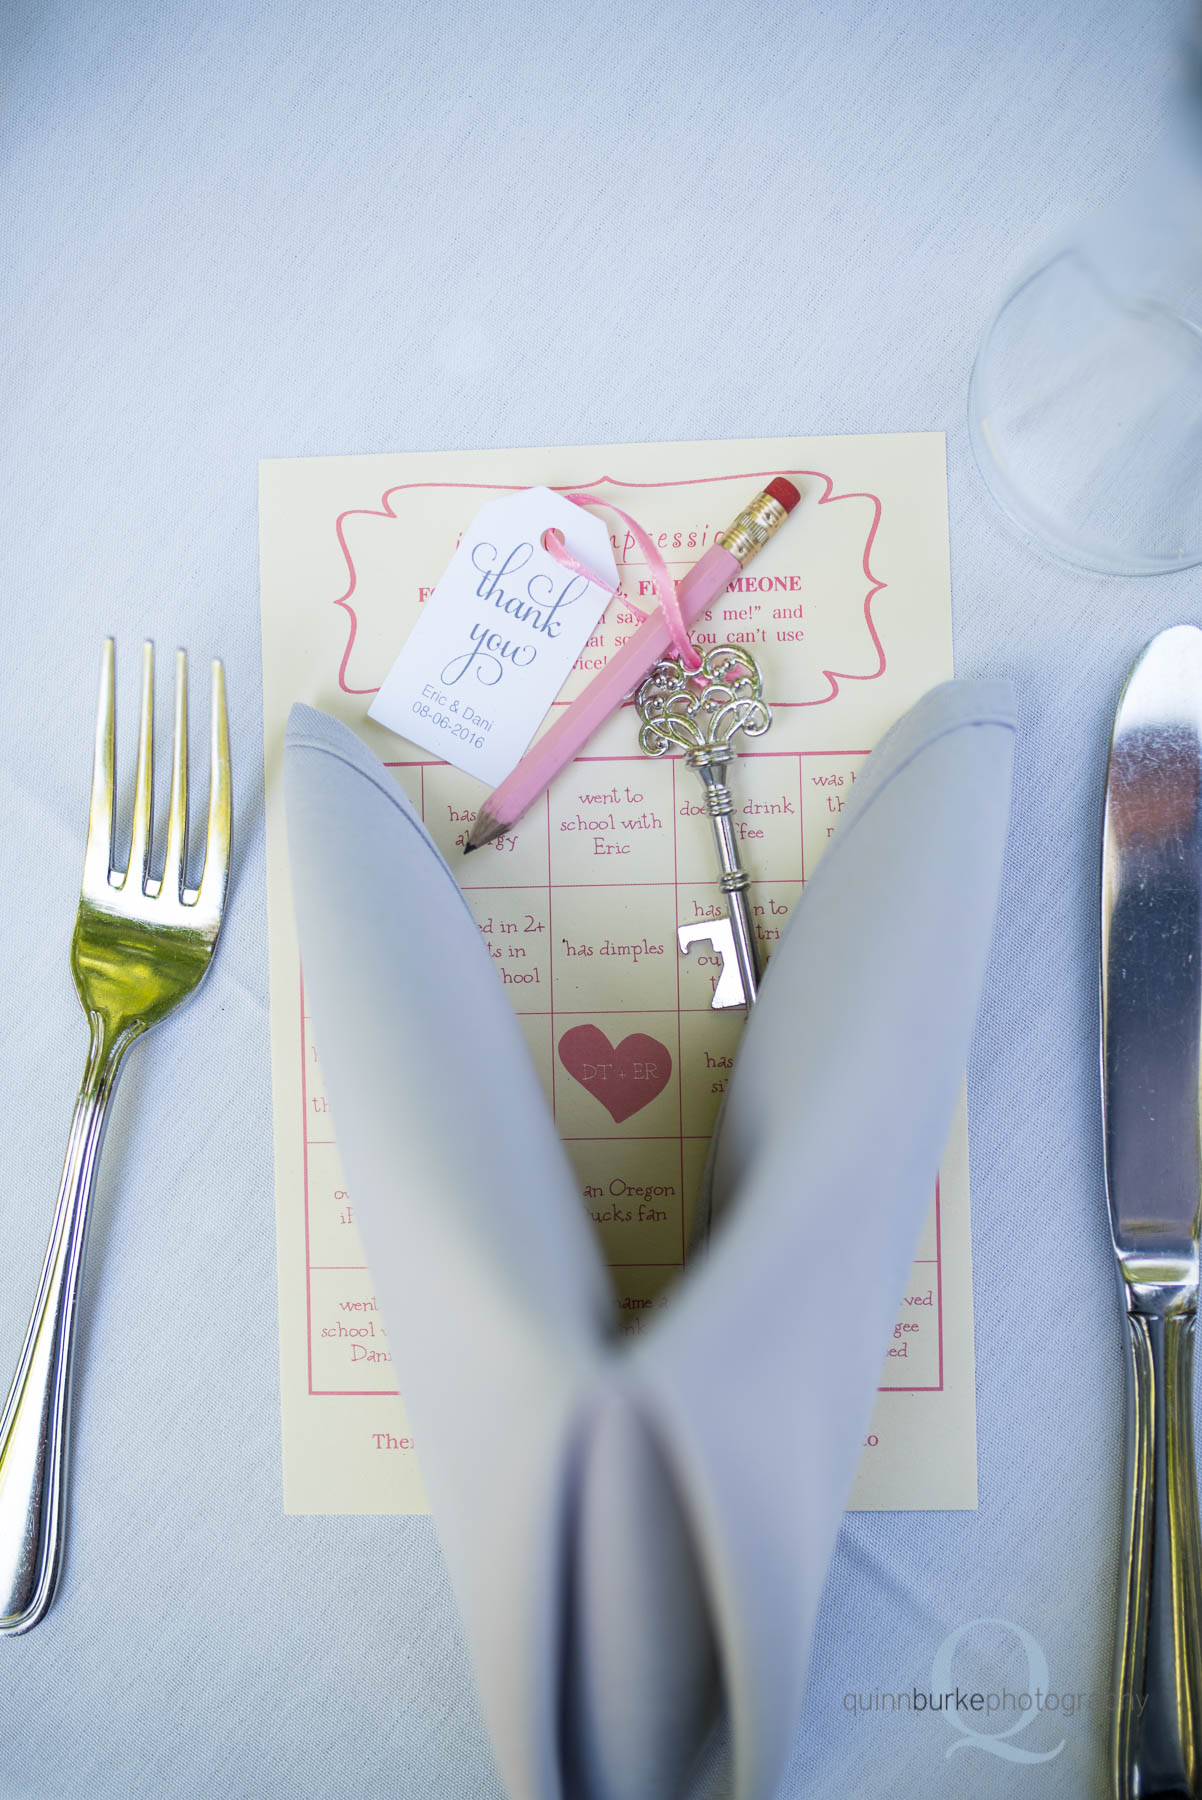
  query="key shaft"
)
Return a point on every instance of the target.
[{"x": 712, "y": 765}]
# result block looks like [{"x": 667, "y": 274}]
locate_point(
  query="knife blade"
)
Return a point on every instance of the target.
[{"x": 1151, "y": 1030}]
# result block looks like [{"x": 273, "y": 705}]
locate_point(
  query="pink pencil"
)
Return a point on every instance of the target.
[{"x": 717, "y": 568}]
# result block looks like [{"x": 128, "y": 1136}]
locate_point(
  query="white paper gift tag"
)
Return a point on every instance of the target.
[{"x": 498, "y": 636}]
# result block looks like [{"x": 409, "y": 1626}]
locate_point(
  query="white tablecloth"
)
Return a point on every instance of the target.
[{"x": 244, "y": 230}]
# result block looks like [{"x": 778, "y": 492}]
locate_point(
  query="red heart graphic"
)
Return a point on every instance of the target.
[{"x": 624, "y": 1080}]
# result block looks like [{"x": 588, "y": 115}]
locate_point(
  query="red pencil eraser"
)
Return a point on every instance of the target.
[{"x": 785, "y": 492}]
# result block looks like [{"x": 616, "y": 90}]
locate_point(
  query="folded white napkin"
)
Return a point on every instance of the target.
[{"x": 638, "y": 1530}]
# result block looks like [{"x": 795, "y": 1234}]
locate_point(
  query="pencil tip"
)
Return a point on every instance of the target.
[{"x": 486, "y": 828}]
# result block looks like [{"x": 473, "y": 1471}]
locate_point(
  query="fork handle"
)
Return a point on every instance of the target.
[
  {"x": 1158, "y": 1703},
  {"x": 33, "y": 1427}
]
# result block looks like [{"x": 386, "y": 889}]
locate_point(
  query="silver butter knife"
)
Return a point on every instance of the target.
[{"x": 1151, "y": 1038}]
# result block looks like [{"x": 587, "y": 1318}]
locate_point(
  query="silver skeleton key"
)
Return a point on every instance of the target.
[{"x": 699, "y": 712}]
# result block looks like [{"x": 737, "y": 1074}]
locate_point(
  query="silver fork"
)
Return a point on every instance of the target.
[{"x": 140, "y": 946}]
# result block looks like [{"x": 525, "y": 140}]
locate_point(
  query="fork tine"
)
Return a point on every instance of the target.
[
  {"x": 211, "y": 894},
  {"x": 139, "y": 841},
  {"x": 177, "y": 817},
  {"x": 98, "y": 853}
]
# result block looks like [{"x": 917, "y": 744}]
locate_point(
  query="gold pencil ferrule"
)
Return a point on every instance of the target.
[{"x": 753, "y": 527}]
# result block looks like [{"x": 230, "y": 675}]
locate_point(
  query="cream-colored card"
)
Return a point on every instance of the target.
[{"x": 848, "y": 612}]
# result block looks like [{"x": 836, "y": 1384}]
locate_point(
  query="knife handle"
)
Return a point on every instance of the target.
[{"x": 1158, "y": 1677}]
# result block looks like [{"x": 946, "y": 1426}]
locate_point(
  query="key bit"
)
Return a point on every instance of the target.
[{"x": 699, "y": 711}]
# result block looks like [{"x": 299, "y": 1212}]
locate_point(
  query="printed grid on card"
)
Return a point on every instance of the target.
[{"x": 550, "y": 908}]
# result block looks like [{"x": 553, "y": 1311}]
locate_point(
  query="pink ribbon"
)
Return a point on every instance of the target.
[{"x": 665, "y": 586}]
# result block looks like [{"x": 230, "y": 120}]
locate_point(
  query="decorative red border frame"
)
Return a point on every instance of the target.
[{"x": 826, "y": 498}]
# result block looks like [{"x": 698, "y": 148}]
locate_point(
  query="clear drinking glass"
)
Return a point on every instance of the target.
[{"x": 1085, "y": 406}]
